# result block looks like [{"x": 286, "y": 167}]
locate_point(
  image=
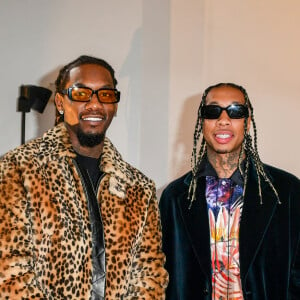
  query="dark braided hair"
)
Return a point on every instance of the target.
[
  {"x": 249, "y": 147},
  {"x": 64, "y": 74}
]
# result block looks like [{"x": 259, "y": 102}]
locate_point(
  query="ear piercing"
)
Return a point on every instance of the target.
[{"x": 61, "y": 112}]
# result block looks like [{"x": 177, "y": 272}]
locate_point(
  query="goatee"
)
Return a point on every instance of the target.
[{"x": 89, "y": 139}]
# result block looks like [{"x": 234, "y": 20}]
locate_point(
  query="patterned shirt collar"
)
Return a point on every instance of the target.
[{"x": 206, "y": 169}]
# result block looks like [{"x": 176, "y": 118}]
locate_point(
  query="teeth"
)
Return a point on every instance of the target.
[
  {"x": 92, "y": 119},
  {"x": 223, "y": 136}
]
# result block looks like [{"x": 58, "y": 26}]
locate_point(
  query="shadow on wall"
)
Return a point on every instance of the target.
[
  {"x": 147, "y": 69},
  {"x": 132, "y": 68},
  {"x": 46, "y": 120},
  {"x": 182, "y": 148},
  {"x": 183, "y": 144}
]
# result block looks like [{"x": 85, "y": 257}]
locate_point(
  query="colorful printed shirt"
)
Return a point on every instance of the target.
[{"x": 225, "y": 202}]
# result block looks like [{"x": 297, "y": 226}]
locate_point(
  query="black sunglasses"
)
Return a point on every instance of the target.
[
  {"x": 234, "y": 111},
  {"x": 84, "y": 94}
]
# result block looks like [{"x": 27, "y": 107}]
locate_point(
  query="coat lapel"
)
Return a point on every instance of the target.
[
  {"x": 255, "y": 220},
  {"x": 196, "y": 222}
]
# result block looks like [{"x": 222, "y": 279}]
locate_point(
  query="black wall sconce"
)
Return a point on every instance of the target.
[{"x": 34, "y": 97}]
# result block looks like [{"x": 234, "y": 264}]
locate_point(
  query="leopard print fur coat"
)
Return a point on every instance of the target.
[{"x": 45, "y": 235}]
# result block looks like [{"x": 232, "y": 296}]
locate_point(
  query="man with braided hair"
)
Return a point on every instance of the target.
[{"x": 231, "y": 226}]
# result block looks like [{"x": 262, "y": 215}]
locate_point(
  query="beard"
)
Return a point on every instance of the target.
[{"x": 89, "y": 139}]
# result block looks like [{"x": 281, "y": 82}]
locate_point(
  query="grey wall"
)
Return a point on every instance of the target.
[
  {"x": 165, "y": 53},
  {"x": 38, "y": 37}
]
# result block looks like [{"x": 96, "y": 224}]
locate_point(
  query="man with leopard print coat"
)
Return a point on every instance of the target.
[{"x": 73, "y": 224}]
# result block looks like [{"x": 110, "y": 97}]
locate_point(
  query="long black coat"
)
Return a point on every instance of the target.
[{"x": 269, "y": 240}]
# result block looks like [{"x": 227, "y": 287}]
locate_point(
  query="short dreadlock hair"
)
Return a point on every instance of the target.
[
  {"x": 64, "y": 73},
  {"x": 249, "y": 147}
]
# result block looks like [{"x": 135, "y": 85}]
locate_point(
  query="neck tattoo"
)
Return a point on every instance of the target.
[{"x": 224, "y": 164}]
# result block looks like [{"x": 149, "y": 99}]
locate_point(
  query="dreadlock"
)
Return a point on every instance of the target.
[
  {"x": 64, "y": 74},
  {"x": 249, "y": 147}
]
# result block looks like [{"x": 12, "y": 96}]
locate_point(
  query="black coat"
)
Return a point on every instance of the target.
[{"x": 269, "y": 239}]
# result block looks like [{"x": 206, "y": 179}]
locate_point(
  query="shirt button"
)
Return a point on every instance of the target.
[
  {"x": 205, "y": 291},
  {"x": 223, "y": 182},
  {"x": 248, "y": 295}
]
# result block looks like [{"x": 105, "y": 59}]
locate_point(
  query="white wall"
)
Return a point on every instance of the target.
[
  {"x": 165, "y": 53},
  {"x": 252, "y": 43}
]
